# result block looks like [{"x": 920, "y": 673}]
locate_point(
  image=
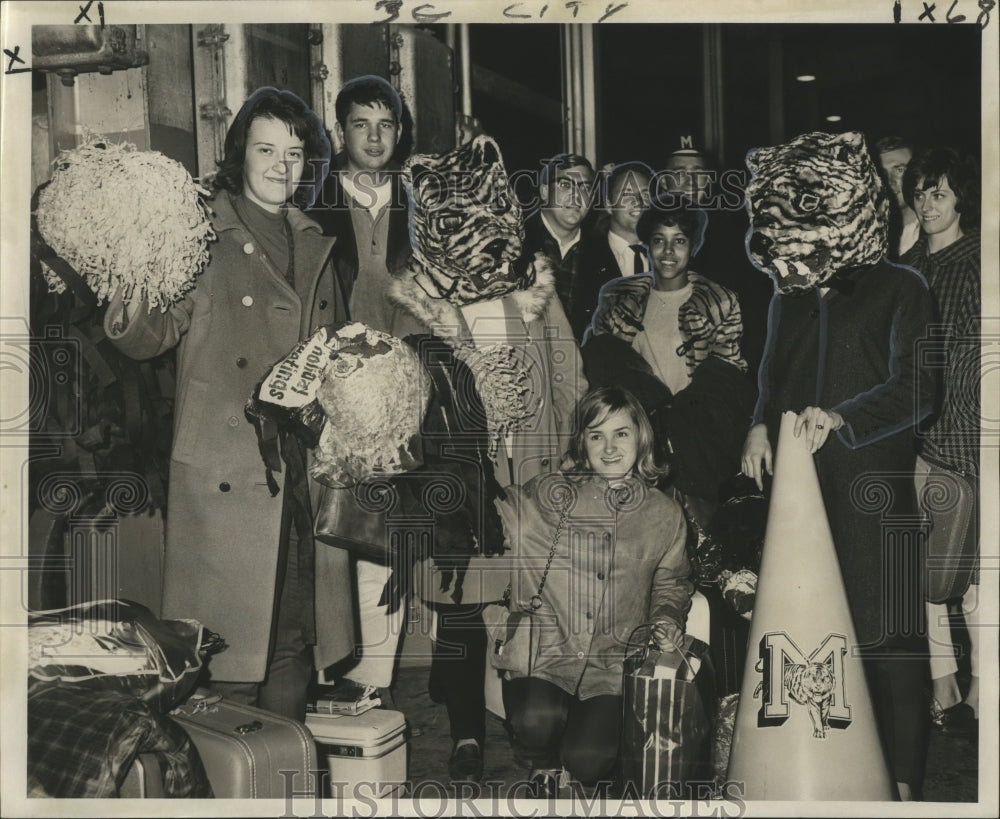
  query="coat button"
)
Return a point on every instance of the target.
[
  {"x": 247, "y": 301},
  {"x": 248, "y": 248},
  {"x": 580, "y": 654},
  {"x": 590, "y": 615},
  {"x": 600, "y": 575},
  {"x": 545, "y": 461},
  {"x": 322, "y": 304},
  {"x": 233, "y": 421},
  {"x": 224, "y": 486},
  {"x": 241, "y": 362}
]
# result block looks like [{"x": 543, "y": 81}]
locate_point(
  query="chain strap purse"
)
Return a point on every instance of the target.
[{"x": 510, "y": 632}]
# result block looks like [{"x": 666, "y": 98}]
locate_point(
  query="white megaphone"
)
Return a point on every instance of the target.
[{"x": 805, "y": 728}]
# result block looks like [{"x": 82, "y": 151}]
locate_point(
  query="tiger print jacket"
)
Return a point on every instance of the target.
[
  {"x": 711, "y": 323},
  {"x": 701, "y": 429}
]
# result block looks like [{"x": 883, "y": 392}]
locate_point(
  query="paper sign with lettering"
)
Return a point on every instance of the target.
[{"x": 294, "y": 381}]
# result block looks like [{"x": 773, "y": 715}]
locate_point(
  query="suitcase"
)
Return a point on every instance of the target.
[
  {"x": 144, "y": 779},
  {"x": 250, "y": 753},
  {"x": 366, "y": 754}
]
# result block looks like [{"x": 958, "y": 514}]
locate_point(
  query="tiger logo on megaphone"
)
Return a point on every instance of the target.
[{"x": 815, "y": 681}]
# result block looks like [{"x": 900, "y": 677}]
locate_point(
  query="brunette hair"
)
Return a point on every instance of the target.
[
  {"x": 892, "y": 143},
  {"x": 286, "y": 107},
  {"x": 617, "y": 177},
  {"x": 559, "y": 162},
  {"x": 674, "y": 212},
  {"x": 593, "y": 409},
  {"x": 369, "y": 90},
  {"x": 929, "y": 167}
]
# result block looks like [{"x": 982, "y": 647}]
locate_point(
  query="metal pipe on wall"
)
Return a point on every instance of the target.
[
  {"x": 589, "y": 71},
  {"x": 579, "y": 90},
  {"x": 220, "y": 87},
  {"x": 775, "y": 89},
  {"x": 711, "y": 55},
  {"x": 465, "y": 66},
  {"x": 570, "y": 91}
]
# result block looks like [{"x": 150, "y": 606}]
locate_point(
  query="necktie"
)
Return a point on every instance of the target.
[{"x": 639, "y": 265}]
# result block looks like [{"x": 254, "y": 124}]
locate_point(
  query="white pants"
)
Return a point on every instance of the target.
[
  {"x": 698, "y": 618},
  {"x": 973, "y": 622},
  {"x": 378, "y": 644},
  {"x": 942, "y": 648}
]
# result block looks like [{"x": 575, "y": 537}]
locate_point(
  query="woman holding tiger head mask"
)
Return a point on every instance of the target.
[
  {"x": 234, "y": 559},
  {"x": 494, "y": 328},
  {"x": 844, "y": 326}
]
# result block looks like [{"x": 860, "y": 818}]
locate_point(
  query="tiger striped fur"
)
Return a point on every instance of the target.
[
  {"x": 811, "y": 685},
  {"x": 466, "y": 229},
  {"x": 817, "y": 206},
  {"x": 711, "y": 324},
  {"x": 710, "y": 319}
]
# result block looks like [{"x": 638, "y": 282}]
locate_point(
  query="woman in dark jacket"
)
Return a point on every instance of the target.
[
  {"x": 942, "y": 186},
  {"x": 843, "y": 351}
]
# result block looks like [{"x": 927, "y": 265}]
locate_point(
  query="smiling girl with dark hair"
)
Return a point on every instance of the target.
[
  {"x": 233, "y": 558},
  {"x": 942, "y": 187},
  {"x": 285, "y": 107}
]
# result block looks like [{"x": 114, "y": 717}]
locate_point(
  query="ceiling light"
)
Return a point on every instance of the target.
[
  {"x": 834, "y": 118},
  {"x": 806, "y": 78}
]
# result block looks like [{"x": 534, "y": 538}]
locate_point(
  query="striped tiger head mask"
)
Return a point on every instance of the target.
[
  {"x": 466, "y": 230},
  {"x": 817, "y": 206}
]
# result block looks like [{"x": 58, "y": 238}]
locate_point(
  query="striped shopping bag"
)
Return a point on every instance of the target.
[{"x": 669, "y": 701}]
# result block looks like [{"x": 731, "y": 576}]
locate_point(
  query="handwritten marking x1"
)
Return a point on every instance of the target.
[{"x": 83, "y": 15}]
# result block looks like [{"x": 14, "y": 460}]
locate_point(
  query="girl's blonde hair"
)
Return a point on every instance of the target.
[{"x": 591, "y": 410}]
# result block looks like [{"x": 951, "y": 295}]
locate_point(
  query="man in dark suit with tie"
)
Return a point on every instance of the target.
[{"x": 614, "y": 250}]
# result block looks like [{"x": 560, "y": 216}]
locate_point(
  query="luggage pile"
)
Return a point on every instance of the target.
[
  {"x": 364, "y": 745},
  {"x": 113, "y": 712}
]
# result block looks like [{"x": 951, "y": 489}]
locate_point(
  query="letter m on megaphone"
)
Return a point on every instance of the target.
[{"x": 817, "y": 681}]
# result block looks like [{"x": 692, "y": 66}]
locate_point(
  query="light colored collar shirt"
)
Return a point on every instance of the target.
[
  {"x": 908, "y": 238},
  {"x": 624, "y": 254},
  {"x": 369, "y": 196},
  {"x": 564, "y": 245}
]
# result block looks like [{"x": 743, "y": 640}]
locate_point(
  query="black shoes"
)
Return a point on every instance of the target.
[
  {"x": 959, "y": 721},
  {"x": 466, "y": 763},
  {"x": 388, "y": 703},
  {"x": 544, "y": 784}
]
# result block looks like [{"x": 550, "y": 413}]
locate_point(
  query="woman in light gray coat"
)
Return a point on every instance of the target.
[
  {"x": 598, "y": 552},
  {"x": 234, "y": 560}
]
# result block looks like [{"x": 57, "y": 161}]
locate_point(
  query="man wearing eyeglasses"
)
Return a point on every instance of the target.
[{"x": 565, "y": 189}]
